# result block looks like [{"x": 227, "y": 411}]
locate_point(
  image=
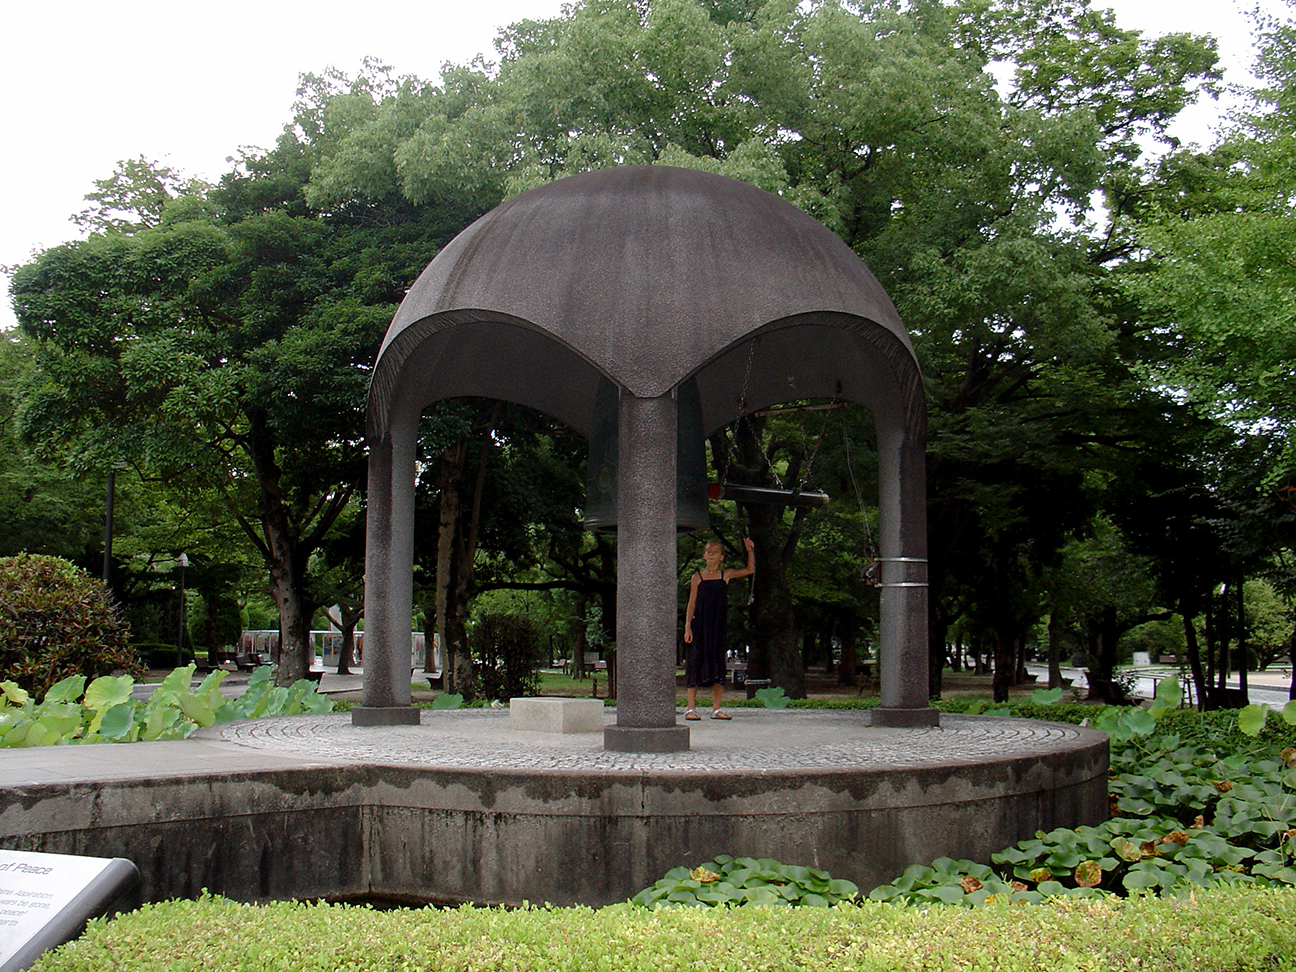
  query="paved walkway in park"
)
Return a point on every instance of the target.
[{"x": 1270, "y": 688}]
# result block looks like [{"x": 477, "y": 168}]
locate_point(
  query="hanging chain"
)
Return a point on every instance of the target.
[
  {"x": 731, "y": 436},
  {"x": 872, "y": 573},
  {"x": 823, "y": 428},
  {"x": 751, "y": 356},
  {"x": 742, "y": 417}
]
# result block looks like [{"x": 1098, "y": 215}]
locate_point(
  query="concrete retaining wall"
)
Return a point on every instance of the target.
[{"x": 302, "y": 830}]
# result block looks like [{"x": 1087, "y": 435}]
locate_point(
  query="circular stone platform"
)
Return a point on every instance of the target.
[
  {"x": 756, "y": 740},
  {"x": 463, "y": 808}
]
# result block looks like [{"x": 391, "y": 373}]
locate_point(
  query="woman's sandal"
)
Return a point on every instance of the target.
[
  {"x": 692, "y": 716},
  {"x": 717, "y": 714}
]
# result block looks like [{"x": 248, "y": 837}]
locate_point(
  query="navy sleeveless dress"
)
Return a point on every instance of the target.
[{"x": 706, "y": 664}]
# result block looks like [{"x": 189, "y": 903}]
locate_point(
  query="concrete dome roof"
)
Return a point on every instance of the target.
[{"x": 643, "y": 276}]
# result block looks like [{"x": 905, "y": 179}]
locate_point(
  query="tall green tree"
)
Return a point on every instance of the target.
[
  {"x": 225, "y": 342},
  {"x": 1218, "y": 276},
  {"x": 1216, "y": 279},
  {"x": 44, "y": 509}
]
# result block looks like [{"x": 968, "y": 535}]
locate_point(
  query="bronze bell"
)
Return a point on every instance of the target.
[{"x": 690, "y": 463}]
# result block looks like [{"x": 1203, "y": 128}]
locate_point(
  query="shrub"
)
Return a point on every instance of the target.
[
  {"x": 1225, "y": 929},
  {"x": 507, "y": 650},
  {"x": 1185, "y": 817},
  {"x": 56, "y": 621}
]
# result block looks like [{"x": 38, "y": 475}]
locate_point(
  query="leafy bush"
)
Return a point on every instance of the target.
[
  {"x": 55, "y": 621},
  {"x": 1185, "y": 817},
  {"x": 108, "y": 713},
  {"x": 746, "y": 881},
  {"x": 507, "y": 650}
]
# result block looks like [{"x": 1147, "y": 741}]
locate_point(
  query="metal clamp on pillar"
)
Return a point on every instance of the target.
[
  {"x": 872, "y": 574},
  {"x": 920, "y": 563}
]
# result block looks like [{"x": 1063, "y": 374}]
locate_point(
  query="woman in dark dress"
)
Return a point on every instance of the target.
[{"x": 704, "y": 625}]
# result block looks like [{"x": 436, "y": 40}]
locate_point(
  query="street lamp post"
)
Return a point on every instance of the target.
[{"x": 183, "y": 561}]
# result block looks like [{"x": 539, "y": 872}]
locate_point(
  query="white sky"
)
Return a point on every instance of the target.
[{"x": 189, "y": 83}]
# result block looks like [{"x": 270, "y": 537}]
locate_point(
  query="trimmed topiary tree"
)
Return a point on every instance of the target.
[{"x": 55, "y": 621}]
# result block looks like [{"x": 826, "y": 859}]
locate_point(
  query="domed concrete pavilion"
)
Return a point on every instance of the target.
[{"x": 637, "y": 285}]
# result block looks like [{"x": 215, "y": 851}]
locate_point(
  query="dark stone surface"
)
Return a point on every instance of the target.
[
  {"x": 647, "y": 577},
  {"x": 902, "y": 718},
  {"x": 630, "y": 739},
  {"x": 384, "y": 715},
  {"x": 641, "y": 274}
]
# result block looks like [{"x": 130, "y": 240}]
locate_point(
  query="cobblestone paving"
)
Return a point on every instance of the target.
[{"x": 756, "y": 740}]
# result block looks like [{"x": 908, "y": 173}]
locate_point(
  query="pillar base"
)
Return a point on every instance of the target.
[
  {"x": 633, "y": 739},
  {"x": 903, "y": 718},
  {"x": 385, "y": 715}
]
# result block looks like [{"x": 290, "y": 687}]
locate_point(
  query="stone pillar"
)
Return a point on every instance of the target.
[
  {"x": 389, "y": 579},
  {"x": 646, "y": 579},
  {"x": 902, "y": 475}
]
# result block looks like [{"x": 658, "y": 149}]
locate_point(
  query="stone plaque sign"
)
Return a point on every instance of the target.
[{"x": 46, "y": 899}]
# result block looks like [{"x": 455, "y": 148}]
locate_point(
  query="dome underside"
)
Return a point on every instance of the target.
[{"x": 642, "y": 275}]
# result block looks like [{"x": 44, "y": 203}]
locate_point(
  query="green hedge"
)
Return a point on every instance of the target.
[{"x": 1220, "y": 930}]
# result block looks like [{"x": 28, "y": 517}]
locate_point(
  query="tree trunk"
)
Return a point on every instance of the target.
[
  {"x": 849, "y": 639},
  {"x": 775, "y": 653},
  {"x": 457, "y": 551},
  {"x": 774, "y": 650},
  {"x": 1223, "y": 635},
  {"x": 346, "y": 623},
  {"x": 1291, "y": 656},
  {"x": 1102, "y": 662},
  {"x": 582, "y": 636},
  {"x": 1055, "y": 650},
  {"x": 937, "y": 642},
  {"x": 285, "y": 553},
  {"x": 1005, "y": 666},
  {"x": 452, "y": 463},
  {"x": 1208, "y": 616},
  {"x": 295, "y": 649},
  {"x": 1241, "y": 641},
  {"x": 346, "y": 654},
  {"x": 1200, "y": 684}
]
